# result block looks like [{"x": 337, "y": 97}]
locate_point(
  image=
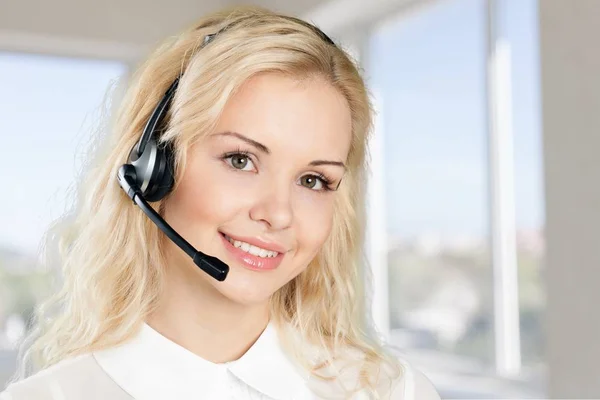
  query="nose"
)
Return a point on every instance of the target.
[{"x": 274, "y": 205}]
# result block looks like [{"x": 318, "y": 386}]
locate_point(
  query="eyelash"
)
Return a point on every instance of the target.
[{"x": 324, "y": 179}]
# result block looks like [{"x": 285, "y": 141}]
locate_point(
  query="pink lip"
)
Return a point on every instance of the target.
[
  {"x": 251, "y": 261},
  {"x": 258, "y": 242}
]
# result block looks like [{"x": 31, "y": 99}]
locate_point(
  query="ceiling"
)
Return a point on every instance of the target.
[{"x": 41, "y": 25}]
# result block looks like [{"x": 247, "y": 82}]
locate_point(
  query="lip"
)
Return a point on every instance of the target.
[
  {"x": 250, "y": 261},
  {"x": 258, "y": 243}
]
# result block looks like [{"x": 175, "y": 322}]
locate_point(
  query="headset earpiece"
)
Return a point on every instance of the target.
[{"x": 154, "y": 170}]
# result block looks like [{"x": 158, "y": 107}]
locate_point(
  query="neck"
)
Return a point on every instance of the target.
[{"x": 195, "y": 315}]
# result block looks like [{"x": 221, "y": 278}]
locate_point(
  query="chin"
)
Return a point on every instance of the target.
[{"x": 247, "y": 293}]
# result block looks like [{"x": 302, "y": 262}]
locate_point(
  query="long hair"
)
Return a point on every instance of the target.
[{"x": 112, "y": 257}]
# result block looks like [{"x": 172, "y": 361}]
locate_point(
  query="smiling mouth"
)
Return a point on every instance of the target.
[
  {"x": 251, "y": 249},
  {"x": 261, "y": 262}
]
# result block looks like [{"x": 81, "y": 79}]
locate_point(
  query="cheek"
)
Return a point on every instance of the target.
[
  {"x": 209, "y": 193},
  {"x": 314, "y": 222}
]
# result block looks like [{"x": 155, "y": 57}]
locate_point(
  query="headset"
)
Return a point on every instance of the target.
[{"x": 148, "y": 174}]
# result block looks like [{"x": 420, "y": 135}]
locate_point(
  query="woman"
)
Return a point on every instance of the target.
[{"x": 255, "y": 156}]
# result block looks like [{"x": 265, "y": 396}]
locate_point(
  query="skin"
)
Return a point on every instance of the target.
[{"x": 259, "y": 195}]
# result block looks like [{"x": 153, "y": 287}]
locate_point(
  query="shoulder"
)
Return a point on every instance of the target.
[
  {"x": 51, "y": 382},
  {"x": 73, "y": 378},
  {"x": 413, "y": 385},
  {"x": 42, "y": 384}
]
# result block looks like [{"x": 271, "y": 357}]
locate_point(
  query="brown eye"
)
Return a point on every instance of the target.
[
  {"x": 310, "y": 181},
  {"x": 239, "y": 160}
]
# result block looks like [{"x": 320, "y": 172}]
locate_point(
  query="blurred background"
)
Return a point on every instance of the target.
[{"x": 483, "y": 194}]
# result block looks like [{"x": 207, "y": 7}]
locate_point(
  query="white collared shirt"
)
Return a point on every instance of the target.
[
  {"x": 263, "y": 372},
  {"x": 152, "y": 367}
]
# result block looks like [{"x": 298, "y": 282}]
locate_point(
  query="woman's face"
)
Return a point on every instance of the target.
[{"x": 259, "y": 178}]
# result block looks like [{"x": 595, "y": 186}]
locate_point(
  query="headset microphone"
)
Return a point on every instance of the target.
[{"x": 148, "y": 176}]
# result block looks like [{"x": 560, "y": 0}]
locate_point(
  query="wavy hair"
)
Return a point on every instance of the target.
[{"x": 111, "y": 256}]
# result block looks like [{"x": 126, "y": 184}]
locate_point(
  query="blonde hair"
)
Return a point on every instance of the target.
[{"x": 112, "y": 257}]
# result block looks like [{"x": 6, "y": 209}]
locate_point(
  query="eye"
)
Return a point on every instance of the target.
[
  {"x": 320, "y": 182},
  {"x": 239, "y": 161}
]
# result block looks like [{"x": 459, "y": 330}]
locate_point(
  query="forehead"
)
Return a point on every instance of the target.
[{"x": 308, "y": 117}]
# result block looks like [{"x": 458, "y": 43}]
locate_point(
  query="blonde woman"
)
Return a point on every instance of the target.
[{"x": 246, "y": 135}]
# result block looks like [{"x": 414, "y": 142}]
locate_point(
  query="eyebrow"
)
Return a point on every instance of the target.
[
  {"x": 266, "y": 150},
  {"x": 246, "y": 139}
]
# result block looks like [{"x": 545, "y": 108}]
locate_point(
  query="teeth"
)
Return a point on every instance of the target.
[{"x": 255, "y": 251}]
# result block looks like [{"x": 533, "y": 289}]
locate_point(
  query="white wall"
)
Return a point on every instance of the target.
[
  {"x": 111, "y": 29},
  {"x": 570, "y": 62}
]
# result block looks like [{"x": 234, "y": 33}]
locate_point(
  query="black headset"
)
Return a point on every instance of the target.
[{"x": 148, "y": 174}]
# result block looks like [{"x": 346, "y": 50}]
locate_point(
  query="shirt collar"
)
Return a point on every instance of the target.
[{"x": 152, "y": 366}]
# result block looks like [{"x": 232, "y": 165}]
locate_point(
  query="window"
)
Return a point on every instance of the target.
[
  {"x": 451, "y": 306},
  {"x": 49, "y": 106}
]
